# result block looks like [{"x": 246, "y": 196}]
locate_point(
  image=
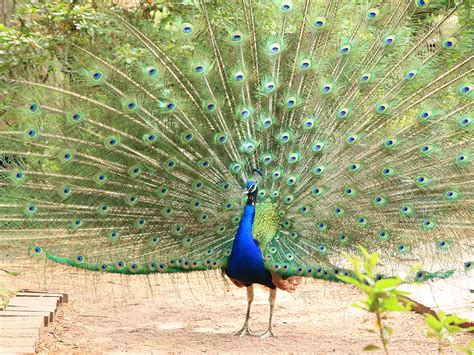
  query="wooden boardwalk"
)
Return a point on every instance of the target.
[{"x": 23, "y": 318}]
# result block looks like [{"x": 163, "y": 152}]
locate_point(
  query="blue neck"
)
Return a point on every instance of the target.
[
  {"x": 243, "y": 241},
  {"x": 244, "y": 232}
]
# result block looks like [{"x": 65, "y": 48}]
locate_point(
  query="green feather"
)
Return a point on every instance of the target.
[{"x": 359, "y": 118}]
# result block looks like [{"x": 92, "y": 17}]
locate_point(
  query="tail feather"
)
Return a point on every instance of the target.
[{"x": 358, "y": 116}]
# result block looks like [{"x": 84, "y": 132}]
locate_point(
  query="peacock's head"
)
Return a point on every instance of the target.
[{"x": 251, "y": 190}]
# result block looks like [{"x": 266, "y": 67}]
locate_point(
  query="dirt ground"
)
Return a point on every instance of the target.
[{"x": 199, "y": 312}]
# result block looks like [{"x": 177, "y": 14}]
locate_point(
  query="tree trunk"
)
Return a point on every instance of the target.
[{"x": 7, "y": 8}]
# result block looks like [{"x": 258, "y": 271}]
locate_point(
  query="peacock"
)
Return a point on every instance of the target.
[{"x": 267, "y": 144}]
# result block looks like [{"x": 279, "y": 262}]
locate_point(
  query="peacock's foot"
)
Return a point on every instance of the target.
[
  {"x": 244, "y": 331},
  {"x": 268, "y": 334}
]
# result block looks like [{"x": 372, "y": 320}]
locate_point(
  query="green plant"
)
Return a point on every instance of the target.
[
  {"x": 5, "y": 295},
  {"x": 443, "y": 327},
  {"x": 382, "y": 294}
]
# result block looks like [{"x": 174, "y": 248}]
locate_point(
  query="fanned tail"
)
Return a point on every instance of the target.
[{"x": 358, "y": 116}]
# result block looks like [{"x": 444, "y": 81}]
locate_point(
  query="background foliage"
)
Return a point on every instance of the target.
[{"x": 34, "y": 44}]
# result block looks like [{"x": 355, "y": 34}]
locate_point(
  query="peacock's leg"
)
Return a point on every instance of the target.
[
  {"x": 272, "y": 298},
  {"x": 245, "y": 329}
]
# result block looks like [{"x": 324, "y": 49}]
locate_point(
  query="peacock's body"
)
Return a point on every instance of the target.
[{"x": 354, "y": 118}]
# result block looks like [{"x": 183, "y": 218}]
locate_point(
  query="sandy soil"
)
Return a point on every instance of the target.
[{"x": 199, "y": 312}]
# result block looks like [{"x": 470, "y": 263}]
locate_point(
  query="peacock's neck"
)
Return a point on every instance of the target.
[
  {"x": 244, "y": 232},
  {"x": 244, "y": 245}
]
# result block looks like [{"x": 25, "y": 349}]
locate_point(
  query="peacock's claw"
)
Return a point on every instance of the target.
[
  {"x": 244, "y": 331},
  {"x": 268, "y": 334}
]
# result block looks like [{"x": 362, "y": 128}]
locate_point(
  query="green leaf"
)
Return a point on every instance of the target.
[
  {"x": 361, "y": 306},
  {"x": 367, "y": 267},
  {"x": 454, "y": 329},
  {"x": 432, "y": 322},
  {"x": 352, "y": 259},
  {"x": 371, "y": 347},
  {"x": 446, "y": 320},
  {"x": 373, "y": 259},
  {"x": 387, "y": 284},
  {"x": 454, "y": 319},
  {"x": 364, "y": 251},
  {"x": 388, "y": 330},
  {"x": 393, "y": 304},
  {"x": 357, "y": 283}
]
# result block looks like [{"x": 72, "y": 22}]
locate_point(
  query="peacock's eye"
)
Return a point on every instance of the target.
[
  {"x": 237, "y": 36},
  {"x": 239, "y": 76},
  {"x": 187, "y": 28},
  {"x": 305, "y": 64}
]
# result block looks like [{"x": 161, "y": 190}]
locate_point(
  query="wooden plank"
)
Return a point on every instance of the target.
[
  {"x": 18, "y": 341},
  {"x": 54, "y": 299},
  {"x": 36, "y": 295},
  {"x": 33, "y": 304},
  {"x": 21, "y": 300},
  {"x": 36, "y": 307},
  {"x": 19, "y": 313},
  {"x": 34, "y": 291},
  {"x": 16, "y": 322},
  {"x": 40, "y": 294},
  {"x": 7, "y": 321},
  {"x": 35, "y": 312},
  {"x": 17, "y": 350},
  {"x": 20, "y": 325},
  {"x": 44, "y": 307},
  {"x": 9, "y": 314},
  {"x": 19, "y": 333},
  {"x": 25, "y": 323},
  {"x": 64, "y": 296}
]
